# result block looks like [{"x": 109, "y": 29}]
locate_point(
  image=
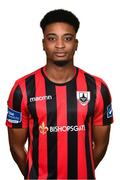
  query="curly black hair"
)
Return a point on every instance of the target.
[{"x": 60, "y": 15}]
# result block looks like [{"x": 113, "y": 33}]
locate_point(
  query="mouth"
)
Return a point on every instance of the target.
[{"x": 60, "y": 54}]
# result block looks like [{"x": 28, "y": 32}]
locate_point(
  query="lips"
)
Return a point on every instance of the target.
[{"x": 60, "y": 54}]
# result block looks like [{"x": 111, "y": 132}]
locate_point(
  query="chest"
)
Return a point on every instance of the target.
[{"x": 61, "y": 105}]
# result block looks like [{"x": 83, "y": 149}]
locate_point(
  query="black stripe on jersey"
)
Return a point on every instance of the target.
[
  {"x": 72, "y": 136},
  {"x": 91, "y": 86},
  {"x": 51, "y": 137},
  {"x": 31, "y": 92},
  {"x": 106, "y": 101},
  {"x": 17, "y": 99}
]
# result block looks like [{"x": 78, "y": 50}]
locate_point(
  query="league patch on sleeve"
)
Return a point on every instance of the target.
[
  {"x": 14, "y": 116},
  {"x": 109, "y": 111}
]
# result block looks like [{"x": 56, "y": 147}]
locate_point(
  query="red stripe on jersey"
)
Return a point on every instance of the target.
[
  {"x": 81, "y": 115},
  {"x": 99, "y": 108},
  {"x": 41, "y": 112},
  {"x": 61, "y": 136}
]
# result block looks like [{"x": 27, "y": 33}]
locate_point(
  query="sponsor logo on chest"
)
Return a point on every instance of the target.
[
  {"x": 40, "y": 98},
  {"x": 43, "y": 129}
]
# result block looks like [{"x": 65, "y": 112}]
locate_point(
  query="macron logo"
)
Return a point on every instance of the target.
[{"x": 40, "y": 98}]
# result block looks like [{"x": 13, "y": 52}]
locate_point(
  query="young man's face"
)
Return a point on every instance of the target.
[{"x": 60, "y": 42}]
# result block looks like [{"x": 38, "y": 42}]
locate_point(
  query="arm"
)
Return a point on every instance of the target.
[
  {"x": 17, "y": 140},
  {"x": 101, "y": 140}
]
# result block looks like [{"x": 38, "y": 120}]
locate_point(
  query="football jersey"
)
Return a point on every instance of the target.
[{"x": 59, "y": 118}]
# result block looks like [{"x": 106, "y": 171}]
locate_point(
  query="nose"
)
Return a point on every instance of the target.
[{"x": 60, "y": 43}]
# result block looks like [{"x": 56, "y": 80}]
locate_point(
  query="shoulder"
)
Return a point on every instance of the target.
[
  {"x": 93, "y": 79},
  {"x": 19, "y": 87},
  {"x": 21, "y": 81}
]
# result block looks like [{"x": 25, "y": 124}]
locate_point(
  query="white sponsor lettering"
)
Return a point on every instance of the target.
[
  {"x": 67, "y": 128},
  {"x": 40, "y": 98},
  {"x": 10, "y": 113}
]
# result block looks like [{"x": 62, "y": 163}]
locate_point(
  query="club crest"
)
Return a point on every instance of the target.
[{"x": 83, "y": 97}]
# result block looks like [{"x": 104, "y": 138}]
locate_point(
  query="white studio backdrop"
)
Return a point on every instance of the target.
[{"x": 98, "y": 53}]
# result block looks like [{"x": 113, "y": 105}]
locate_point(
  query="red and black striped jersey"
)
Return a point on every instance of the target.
[{"x": 59, "y": 118}]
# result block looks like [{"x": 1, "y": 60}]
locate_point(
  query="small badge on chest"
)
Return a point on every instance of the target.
[{"x": 83, "y": 97}]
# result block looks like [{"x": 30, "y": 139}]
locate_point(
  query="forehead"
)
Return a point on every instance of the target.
[{"x": 59, "y": 28}]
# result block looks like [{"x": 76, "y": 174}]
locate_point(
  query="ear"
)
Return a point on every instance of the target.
[{"x": 76, "y": 46}]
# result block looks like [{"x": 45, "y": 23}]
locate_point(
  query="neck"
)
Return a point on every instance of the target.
[{"x": 60, "y": 74}]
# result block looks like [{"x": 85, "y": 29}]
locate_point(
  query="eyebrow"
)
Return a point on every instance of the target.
[{"x": 66, "y": 34}]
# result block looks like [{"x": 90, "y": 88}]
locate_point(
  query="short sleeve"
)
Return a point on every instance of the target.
[
  {"x": 17, "y": 115},
  {"x": 103, "y": 114}
]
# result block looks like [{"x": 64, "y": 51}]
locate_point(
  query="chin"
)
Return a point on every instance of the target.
[{"x": 61, "y": 62}]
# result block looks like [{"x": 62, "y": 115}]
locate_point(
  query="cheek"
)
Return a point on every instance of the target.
[
  {"x": 71, "y": 49},
  {"x": 48, "y": 49}
]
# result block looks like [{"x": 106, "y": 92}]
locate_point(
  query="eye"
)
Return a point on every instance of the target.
[
  {"x": 51, "y": 38},
  {"x": 68, "y": 38}
]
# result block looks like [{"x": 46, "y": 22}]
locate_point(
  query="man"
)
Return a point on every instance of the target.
[{"x": 64, "y": 112}]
